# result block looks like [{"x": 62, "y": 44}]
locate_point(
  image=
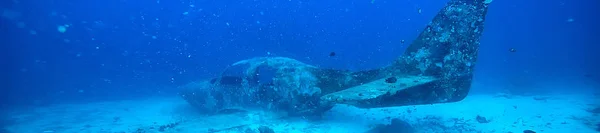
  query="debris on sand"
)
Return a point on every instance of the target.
[
  {"x": 265, "y": 129},
  {"x": 396, "y": 126},
  {"x": 482, "y": 119}
]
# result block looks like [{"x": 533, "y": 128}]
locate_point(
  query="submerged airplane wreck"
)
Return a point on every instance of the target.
[{"x": 436, "y": 68}]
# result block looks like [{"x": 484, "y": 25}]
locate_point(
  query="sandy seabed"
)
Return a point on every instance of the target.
[{"x": 503, "y": 114}]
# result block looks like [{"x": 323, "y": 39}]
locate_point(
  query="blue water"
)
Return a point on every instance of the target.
[{"x": 124, "y": 49}]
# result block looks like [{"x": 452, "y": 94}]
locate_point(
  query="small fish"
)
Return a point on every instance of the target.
[
  {"x": 528, "y": 131},
  {"x": 512, "y": 50},
  {"x": 419, "y": 10},
  {"x": 402, "y": 41},
  {"x": 227, "y": 80},
  {"x": 331, "y": 54}
]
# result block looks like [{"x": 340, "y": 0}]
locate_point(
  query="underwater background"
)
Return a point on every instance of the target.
[{"x": 73, "y": 52}]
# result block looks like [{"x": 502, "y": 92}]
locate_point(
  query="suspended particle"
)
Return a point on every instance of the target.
[{"x": 62, "y": 29}]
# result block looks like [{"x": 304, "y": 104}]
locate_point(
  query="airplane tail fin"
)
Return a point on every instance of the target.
[{"x": 436, "y": 68}]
